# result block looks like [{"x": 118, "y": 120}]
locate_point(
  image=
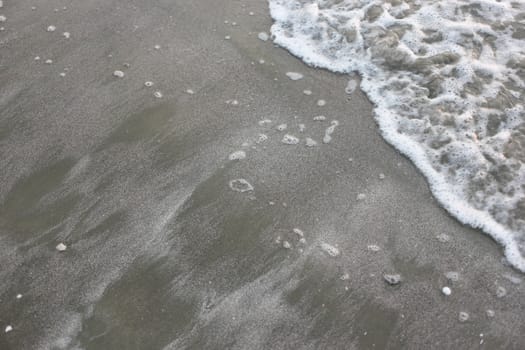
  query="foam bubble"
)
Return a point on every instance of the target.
[
  {"x": 240, "y": 185},
  {"x": 237, "y": 155},
  {"x": 330, "y": 250},
  {"x": 310, "y": 142},
  {"x": 290, "y": 140},
  {"x": 329, "y": 131}
]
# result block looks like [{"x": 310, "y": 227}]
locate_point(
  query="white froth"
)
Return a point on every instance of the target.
[
  {"x": 329, "y": 131},
  {"x": 330, "y": 250},
  {"x": 118, "y": 74},
  {"x": 447, "y": 82},
  {"x": 290, "y": 140}
]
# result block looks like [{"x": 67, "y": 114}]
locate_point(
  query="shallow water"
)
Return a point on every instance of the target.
[{"x": 447, "y": 80}]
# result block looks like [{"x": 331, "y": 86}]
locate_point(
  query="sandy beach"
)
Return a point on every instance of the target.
[{"x": 164, "y": 247}]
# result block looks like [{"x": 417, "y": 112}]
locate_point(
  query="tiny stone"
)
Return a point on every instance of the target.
[
  {"x": 3, "y": 18},
  {"x": 157, "y": 47},
  {"x": 62, "y": 74},
  {"x": 251, "y": 13},
  {"x": 307, "y": 92},
  {"x": 157, "y": 94},
  {"x": 490, "y": 313},
  {"x": 287, "y": 245},
  {"x": 294, "y": 76},
  {"x": 8, "y": 329},
  {"x": 118, "y": 74},
  {"x": 61, "y": 247},
  {"x": 392, "y": 279},
  {"x": 37, "y": 58},
  {"x": 463, "y": 316},
  {"x": 361, "y": 196},
  {"x": 381, "y": 176},
  {"x": 67, "y": 35},
  {"x": 298, "y": 232},
  {"x": 446, "y": 291},
  {"x": 49, "y": 61},
  {"x": 19, "y": 296},
  {"x": 263, "y": 36},
  {"x": 227, "y": 37},
  {"x": 190, "y": 92},
  {"x": 51, "y": 28}
]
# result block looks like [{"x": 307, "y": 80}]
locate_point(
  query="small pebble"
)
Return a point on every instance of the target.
[
  {"x": 307, "y": 92},
  {"x": 157, "y": 47},
  {"x": 190, "y": 92},
  {"x": 67, "y": 35},
  {"x": 294, "y": 76},
  {"x": 490, "y": 313},
  {"x": 49, "y": 61},
  {"x": 3, "y": 18},
  {"x": 118, "y": 74},
  {"x": 263, "y": 36},
  {"x": 392, "y": 279},
  {"x": 19, "y": 296},
  {"x": 51, "y": 28},
  {"x": 8, "y": 329},
  {"x": 446, "y": 291},
  {"x": 361, "y": 196},
  {"x": 381, "y": 176},
  {"x": 227, "y": 37},
  {"x": 61, "y": 247},
  {"x": 37, "y": 58},
  {"x": 310, "y": 142},
  {"x": 287, "y": 245},
  {"x": 501, "y": 292},
  {"x": 321, "y": 103},
  {"x": 157, "y": 94}
]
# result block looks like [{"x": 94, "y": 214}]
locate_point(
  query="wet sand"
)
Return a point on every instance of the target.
[{"x": 161, "y": 252}]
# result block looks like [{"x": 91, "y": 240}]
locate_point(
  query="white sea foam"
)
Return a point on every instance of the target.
[{"x": 447, "y": 79}]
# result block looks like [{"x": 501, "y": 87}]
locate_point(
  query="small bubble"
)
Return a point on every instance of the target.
[
  {"x": 148, "y": 84},
  {"x": 157, "y": 94},
  {"x": 321, "y": 103}
]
